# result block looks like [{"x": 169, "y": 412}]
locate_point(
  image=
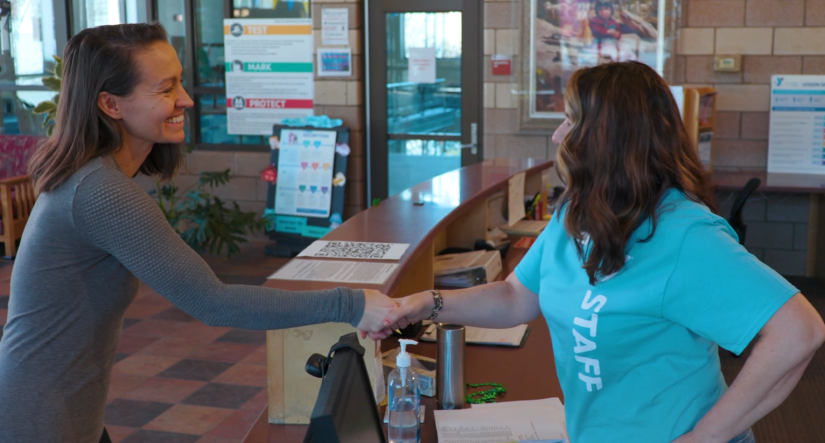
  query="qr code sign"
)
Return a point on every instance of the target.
[{"x": 354, "y": 250}]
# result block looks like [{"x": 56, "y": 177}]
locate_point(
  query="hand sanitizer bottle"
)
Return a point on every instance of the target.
[{"x": 403, "y": 398}]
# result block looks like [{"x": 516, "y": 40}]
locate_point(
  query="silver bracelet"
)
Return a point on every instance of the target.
[{"x": 438, "y": 303}]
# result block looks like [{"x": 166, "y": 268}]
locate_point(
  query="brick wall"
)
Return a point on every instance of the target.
[
  {"x": 774, "y": 37},
  {"x": 502, "y": 138}
]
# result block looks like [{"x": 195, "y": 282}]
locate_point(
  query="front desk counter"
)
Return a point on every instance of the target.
[
  {"x": 458, "y": 208},
  {"x": 528, "y": 373}
]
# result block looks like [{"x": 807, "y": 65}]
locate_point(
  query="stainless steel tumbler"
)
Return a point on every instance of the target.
[{"x": 450, "y": 366}]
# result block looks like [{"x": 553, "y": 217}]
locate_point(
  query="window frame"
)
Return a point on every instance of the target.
[{"x": 195, "y": 91}]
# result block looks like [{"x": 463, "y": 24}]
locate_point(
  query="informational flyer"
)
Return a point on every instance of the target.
[
  {"x": 354, "y": 249},
  {"x": 336, "y": 271},
  {"x": 269, "y": 73},
  {"x": 304, "y": 184},
  {"x": 334, "y": 62},
  {"x": 797, "y": 127},
  {"x": 421, "y": 65},
  {"x": 335, "y": 26}
]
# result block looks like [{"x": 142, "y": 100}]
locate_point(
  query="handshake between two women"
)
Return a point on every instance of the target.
[
  {"x": 383, "y": 314},
  {"x": 502, "y": 304}
]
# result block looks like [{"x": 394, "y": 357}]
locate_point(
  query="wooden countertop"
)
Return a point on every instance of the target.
[
  {"x": 528, "y": 373},
  {"x": 771, "y": 182},
  {"x": 397, "y": 220}
]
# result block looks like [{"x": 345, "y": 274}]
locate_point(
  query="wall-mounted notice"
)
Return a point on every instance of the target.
[
  {"x": 335, "y": 62},
  {"x": 421, "y": 65},
  {"x": 797, "y": 138},
  {"x": 334, "y": 26},
  {"x": 304, "y": 185},
  {"x": 268, "y": 73}
]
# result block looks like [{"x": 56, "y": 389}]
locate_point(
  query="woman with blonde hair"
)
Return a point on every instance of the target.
[
  {"x": 94, "y": 234},
  {"x": 640, "y": 281}
]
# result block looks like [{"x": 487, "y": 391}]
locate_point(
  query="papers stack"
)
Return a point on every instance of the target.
[
  {"x": 531, "y": 228},
  {"x": 503, "y": 422},
  {"x": 466, "y": 269},
  {"x": 514, "y": 337}
]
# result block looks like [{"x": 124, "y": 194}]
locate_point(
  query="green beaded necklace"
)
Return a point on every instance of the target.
[{"x": 486, "y": 396}]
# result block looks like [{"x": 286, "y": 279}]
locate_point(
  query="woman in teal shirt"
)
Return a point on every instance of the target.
[{"x": 639, "y": 281}]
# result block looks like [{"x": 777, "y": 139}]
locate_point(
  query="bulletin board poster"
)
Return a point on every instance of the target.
[
  {"x": 269, "y": 73},
  {"x": 797, "y": 124},
  {"x": 304, "y": 184}
]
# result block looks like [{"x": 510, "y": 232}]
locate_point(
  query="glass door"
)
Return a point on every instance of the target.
[{"x": 425, "y": 91}]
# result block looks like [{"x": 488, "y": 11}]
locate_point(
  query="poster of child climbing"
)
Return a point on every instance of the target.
[
  {"x": 567, "y": 35},
  {"x": 304, "y": 184}
]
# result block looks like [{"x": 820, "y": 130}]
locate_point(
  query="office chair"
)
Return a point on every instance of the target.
[{"x": 735, "y": 219}]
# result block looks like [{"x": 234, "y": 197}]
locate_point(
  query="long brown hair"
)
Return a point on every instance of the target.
[
  {"x": 626, "y": 146},
  {"x": 97, "y": 60}
]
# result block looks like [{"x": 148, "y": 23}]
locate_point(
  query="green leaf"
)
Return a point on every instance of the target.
[
  {"x": 58, "y": 67},
  {"x": 209, "y": 225},
  {"x": 44, "y": 107},
  {"x": 53, "y": 83}
]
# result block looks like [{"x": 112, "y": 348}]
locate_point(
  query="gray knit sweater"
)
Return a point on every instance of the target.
[{"x": 84, "y": 250}]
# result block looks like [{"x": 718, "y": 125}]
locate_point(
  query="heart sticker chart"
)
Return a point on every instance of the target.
[{"x": 305, "y": 173}]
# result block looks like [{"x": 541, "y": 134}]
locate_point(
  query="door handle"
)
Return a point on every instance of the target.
[{"x": 473, "y": 145}]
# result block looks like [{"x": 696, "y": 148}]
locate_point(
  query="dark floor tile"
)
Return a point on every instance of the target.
[
  {"x": 120, "y": 356},
  {"x": 130, "y": 344},
  {"x": 219, "y": 395},
  {"x": 4, "y": 302},
  {"x": 199, "y": 370},
  {"x": 173, "y": 314},
  {"x": 245, "y": 336},
  {"x": 147, "y": 436},
  {"x": 133, "y": 413},
  {"x": 130, "y": 321}
]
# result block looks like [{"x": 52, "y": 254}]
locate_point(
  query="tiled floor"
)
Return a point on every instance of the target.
[{"x": 176, "y": 379}]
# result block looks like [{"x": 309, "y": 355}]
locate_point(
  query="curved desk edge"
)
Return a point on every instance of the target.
[{"x": 398, "y": 220}]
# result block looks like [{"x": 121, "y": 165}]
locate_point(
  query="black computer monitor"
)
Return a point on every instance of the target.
[{"x": 345, "y": 411}]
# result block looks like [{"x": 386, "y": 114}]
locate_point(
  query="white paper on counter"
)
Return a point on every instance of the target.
[
  {"x": 335, "y": 271},
  {"x": 354, "y": 249},
  {"x": 485, "y": 336},
  {"x": 496, "y": 425}
]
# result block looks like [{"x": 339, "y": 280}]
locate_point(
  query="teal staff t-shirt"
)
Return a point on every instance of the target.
[{"x": 636, "y": 354}]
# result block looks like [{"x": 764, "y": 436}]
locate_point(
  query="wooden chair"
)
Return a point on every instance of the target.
[{"x": 16, "y": 202}]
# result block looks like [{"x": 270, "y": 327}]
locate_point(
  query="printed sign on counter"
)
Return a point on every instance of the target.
[{"x": 268, "y": 73}]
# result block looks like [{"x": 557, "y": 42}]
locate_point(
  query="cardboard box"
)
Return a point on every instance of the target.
[{"x": 427, "y": 381}]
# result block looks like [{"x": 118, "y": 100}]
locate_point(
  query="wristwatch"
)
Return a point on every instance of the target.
[{"x": 438, "y": 303}]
